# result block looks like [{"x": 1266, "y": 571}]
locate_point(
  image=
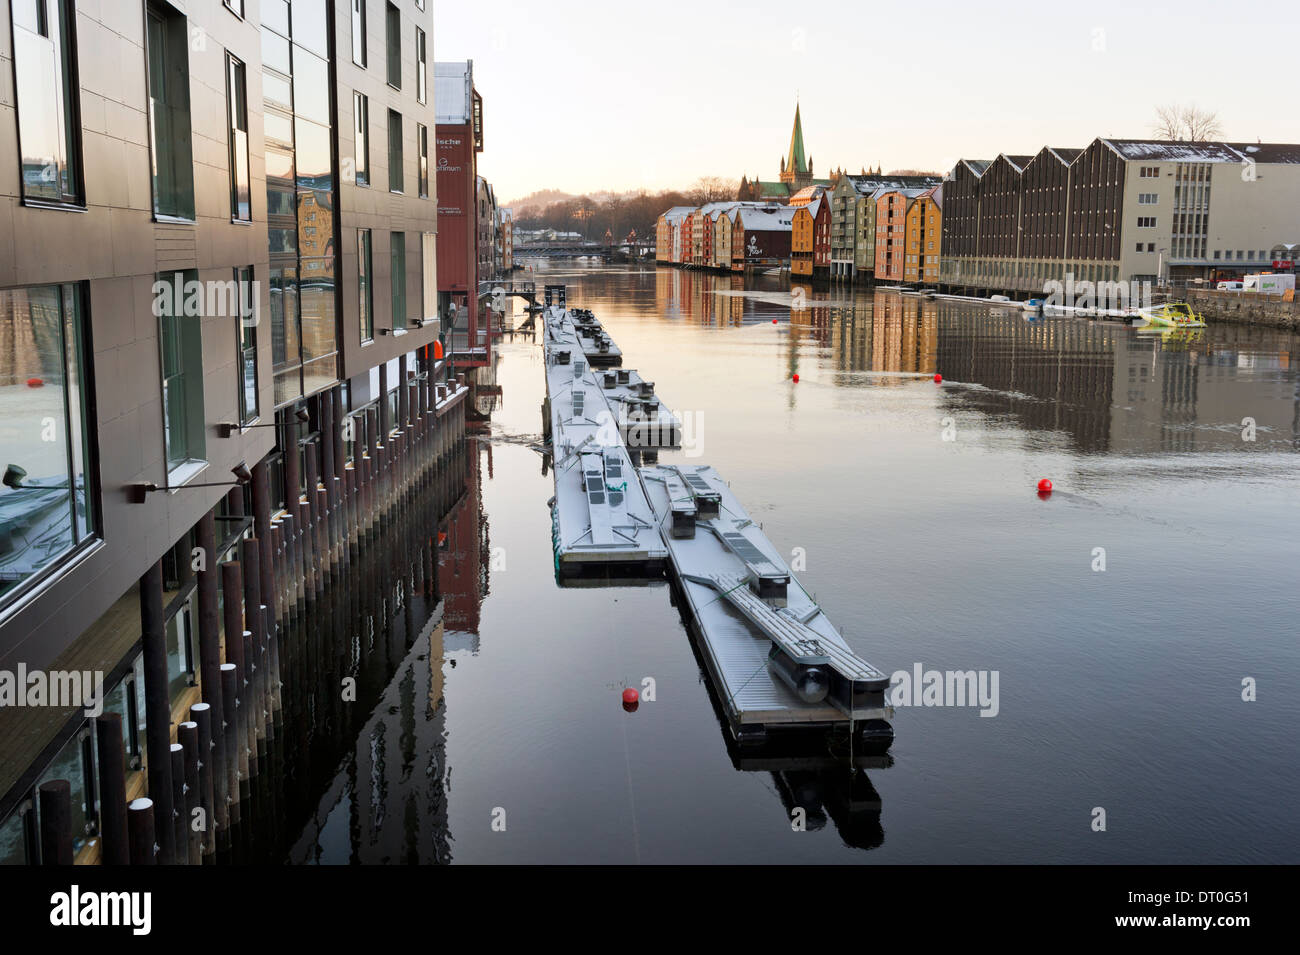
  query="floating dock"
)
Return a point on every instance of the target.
[
  {"x": 601, "y": 520},
  {"x": 770, "y": 650},
  {"x": 774, "y": 659}
]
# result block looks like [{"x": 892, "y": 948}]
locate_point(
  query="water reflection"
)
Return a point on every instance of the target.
[{"x": 1099, "y": 386}]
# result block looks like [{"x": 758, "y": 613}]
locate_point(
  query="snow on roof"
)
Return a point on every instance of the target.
[
  {"x": 453, "y": 92},
  {"x": 1157, "y": 150},
  {"x": 768, "y": 218},
  {"x": 869, "y": 185},
  {"x": 1018, "y": 162}
]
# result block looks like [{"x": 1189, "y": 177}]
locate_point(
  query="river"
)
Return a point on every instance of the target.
[{"x": 1124, "y": 616}]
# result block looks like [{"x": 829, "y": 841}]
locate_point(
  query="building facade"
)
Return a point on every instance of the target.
[
  {"x": 217, "y": 279},
  {"x": 853, "y": 221},
  {"x": 924, "y": 237},
  {"x": 1119, "y": 211}
]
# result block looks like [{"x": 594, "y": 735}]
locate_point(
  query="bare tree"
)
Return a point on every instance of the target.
[
  {"x": 1186, "y": 124},
  {"x": 712, "y": 189},
  {"x": 1201, "y": 125}
]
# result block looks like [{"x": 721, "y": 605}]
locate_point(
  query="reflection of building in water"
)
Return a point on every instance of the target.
[
  {"x": 464, "y": 557},
  {"x": 1109, "y": 388},
  {"x": 1053, "y": 375},
  {"x": 898, "y": 334},
  {"x": 388, "y": 802}
]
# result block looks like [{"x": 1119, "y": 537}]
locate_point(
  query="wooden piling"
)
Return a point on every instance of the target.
[
  {"x": 55, "y": 799},
  {"x": 140, "y": 829},
  {"x": 157, "y": 710},
  {"x": 113, "y": 847},
  {"x": 210, "y": 659},
  {"x": 196, "y": 813},
  {"x": 180, "y": 831},
  {"x": 236, "y": 764},
  {"x": 212, "y": 782}
]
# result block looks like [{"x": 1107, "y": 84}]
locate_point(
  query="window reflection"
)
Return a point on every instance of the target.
[
  {"x": 48, "y": 124},
  {"x": 45, "y": 501}
]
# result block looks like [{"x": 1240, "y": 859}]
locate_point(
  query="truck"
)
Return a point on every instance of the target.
[{"x": 1270, "y": 282}]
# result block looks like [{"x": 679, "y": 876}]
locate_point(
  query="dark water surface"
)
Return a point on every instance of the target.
[{"x": 927, "y": 544}]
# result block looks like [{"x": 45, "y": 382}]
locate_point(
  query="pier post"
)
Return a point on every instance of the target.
[
  {"x": 236, "y": 709},
  {"x": 210, "y": 655},
  {"x": 113, "y": 846},
  {"x": 236, "y": 762},
  {"x": 180, "y": 830},
  {"x": 55, "y": 799},
  {"x": 140, "y": 825},
  {"x": 157, "y": 711},
  {"x": 211, "y": 774},
  {"x": 255, "y": 641},
  {"x": 188, "y": 734}
]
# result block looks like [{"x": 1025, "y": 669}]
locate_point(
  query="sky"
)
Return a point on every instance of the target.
[{"x": 588, "y": 97}]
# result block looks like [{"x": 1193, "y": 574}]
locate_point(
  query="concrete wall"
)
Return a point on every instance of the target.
[{"x": 1247, "y": 308}]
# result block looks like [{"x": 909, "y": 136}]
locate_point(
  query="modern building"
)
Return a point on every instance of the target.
[
  {"x": 1119, "y": 211},
  {"x": 217, "y": 285}
]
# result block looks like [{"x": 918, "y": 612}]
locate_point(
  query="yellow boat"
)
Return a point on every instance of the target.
[{"x": 1170, "y": 315}]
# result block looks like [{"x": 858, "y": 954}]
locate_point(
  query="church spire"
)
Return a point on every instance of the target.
[{"x": 797, "y": 163}]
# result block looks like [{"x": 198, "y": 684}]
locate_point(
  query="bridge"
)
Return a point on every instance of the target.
[{"x": 561, "y": 250}]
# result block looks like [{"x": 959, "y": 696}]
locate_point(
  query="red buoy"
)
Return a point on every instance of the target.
[
  {"x": 34, "y": 382},
  {"x": 1045, "y": 486},
  {"x": 630, "y": 695},
  {"x": 795, "y": 379},
  {"x": 774, "y": 321},
  {"x": 938, "y": 378}
]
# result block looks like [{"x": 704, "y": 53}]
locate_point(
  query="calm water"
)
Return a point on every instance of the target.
[{"x": 1119, "y": 689}]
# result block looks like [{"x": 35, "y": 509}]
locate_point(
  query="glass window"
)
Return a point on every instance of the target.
[
  {"x": 279, "y": 183},
  {"x": 361, "y": 115},
  {"x": 317, "y": 322},
  {"x": 359, "y": 32},
  {"x": 181, "y": 345},
  {"x": 16, "y": 837},
  {"x": 248, "y": 306},
  {"x": 275, "y": 53},
  {"x": 180, "y": 652},
  {"x": 421, "y": 66},
  {"x": 429, "y": 277},
  {"x": 365, "y": 291},
  {"x": 275, "y": 14},
  {"x": 75, "y": 764},
  {"x": 394, "y": 24},
  {"x": 169, "y": 112},
  {"x": 399, "y": 279},
  {"x": 395, "y": 179},
  {"x": 276, "y": 89},
  {"x": 286, "y": 353},
  {"x": 311, "y": 26},
  {"x": 48, "y": 123},
  {"x": 237, "y": 103},
  {"x": 422, "y": 135},
  {"x": 311, "y": 87},
  {"x": 312, "y": 158},
  {"x": 47, "y": 504}
]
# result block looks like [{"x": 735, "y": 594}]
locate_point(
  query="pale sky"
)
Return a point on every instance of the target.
[{"x": 585, "y": 97}]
